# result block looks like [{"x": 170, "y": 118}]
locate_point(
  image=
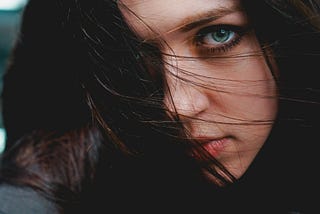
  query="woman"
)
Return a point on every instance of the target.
[{"x": 190, "y": 104}]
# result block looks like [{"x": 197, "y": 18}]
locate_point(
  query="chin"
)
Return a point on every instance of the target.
[{"x": 236, "y": 170}]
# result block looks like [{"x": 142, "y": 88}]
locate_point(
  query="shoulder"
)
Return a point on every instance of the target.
[{"x": 20, "y": 200}]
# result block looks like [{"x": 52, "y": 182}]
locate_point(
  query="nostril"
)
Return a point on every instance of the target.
[
  {"x": 187, "y": 100},
  {"x": 198, "y": 100},
  {"x": 201, "y": 102}
]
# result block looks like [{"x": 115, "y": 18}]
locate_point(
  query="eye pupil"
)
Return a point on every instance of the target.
[{"x": 221, "y": 35}]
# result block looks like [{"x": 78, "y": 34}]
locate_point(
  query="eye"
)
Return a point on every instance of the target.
[{"x": 218, "y": 37}]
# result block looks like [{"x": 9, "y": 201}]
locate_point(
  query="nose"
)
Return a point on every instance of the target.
[
  {"x": 185, "y": 97},
  {"x": 184, "y": 93}
]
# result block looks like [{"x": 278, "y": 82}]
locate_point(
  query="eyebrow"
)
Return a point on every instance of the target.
[{"x": 200, "y": 19}]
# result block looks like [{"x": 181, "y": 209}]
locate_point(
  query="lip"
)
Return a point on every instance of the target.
[{"x": 214, "y": 145}]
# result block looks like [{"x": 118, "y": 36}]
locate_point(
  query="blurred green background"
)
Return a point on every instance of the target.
[{"x": 10, "y": 18}]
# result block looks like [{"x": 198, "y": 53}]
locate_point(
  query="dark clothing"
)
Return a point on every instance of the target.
[{"x": 16, "y": 200}]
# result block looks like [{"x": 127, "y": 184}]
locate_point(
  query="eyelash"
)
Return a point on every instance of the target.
[{"x": 235, "y": 34}]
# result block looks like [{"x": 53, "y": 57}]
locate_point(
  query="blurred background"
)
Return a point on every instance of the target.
[{"x": 10, "y": 17}]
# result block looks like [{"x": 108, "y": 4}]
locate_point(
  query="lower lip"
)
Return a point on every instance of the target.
[{"x": 215, "y": 147}]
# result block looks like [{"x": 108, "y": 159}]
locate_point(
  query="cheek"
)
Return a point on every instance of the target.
[
  {"x": 253, "y": 102},
  {"x": 246, "y": 90},
  {"x": 168, "y": 102},
  {"x": 172, "y": 91}
]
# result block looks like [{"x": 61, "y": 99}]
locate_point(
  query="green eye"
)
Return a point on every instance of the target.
[{"x": 220, "y": 36}]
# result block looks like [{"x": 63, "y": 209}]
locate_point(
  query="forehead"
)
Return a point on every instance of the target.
[{"x": 167, "y": 15}]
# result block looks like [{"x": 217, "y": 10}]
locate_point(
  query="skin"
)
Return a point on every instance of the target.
[{"x": 227, "y": 103}]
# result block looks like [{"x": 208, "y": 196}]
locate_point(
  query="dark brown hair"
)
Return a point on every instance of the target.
[{"x": 83, "y": 112}]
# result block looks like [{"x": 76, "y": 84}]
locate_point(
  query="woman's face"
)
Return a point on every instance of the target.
[{"x": 218, "y": 79}]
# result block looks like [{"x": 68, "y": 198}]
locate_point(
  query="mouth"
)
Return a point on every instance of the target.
[{"x": 215, "y": 146}]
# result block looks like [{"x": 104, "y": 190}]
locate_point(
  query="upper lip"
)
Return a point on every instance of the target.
[{"x": 206, "y": 139}]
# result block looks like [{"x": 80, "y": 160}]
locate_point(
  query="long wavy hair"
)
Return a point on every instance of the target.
[{"x": 83, "y": 99}]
